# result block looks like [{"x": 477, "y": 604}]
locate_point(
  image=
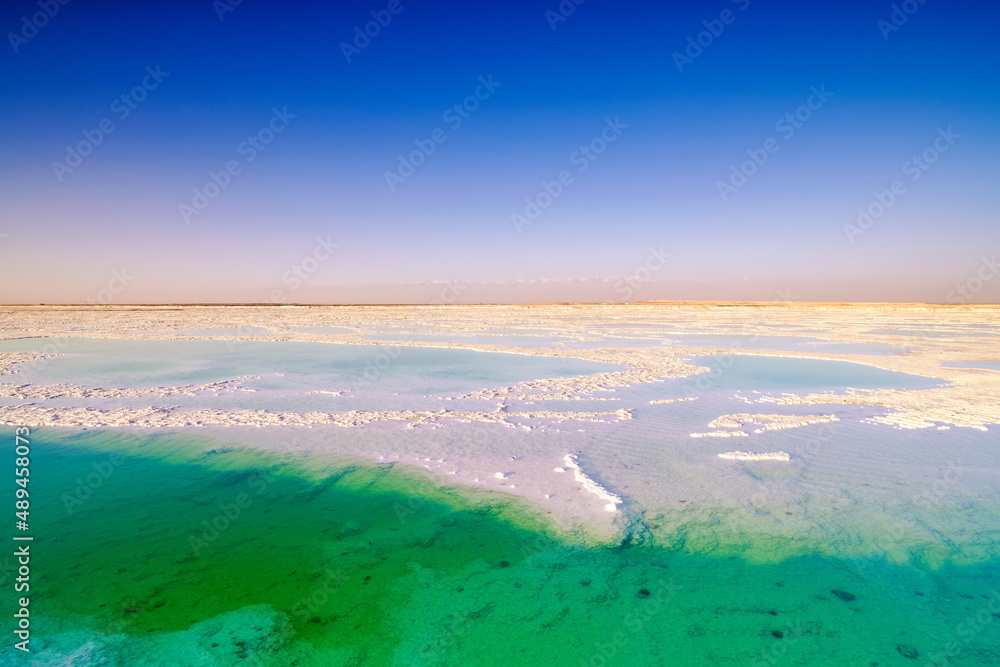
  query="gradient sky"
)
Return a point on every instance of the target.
[{"x": 655, "y": 185}]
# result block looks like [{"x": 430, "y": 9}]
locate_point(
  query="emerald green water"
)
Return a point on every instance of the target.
[{"x": 329, "y": 563}]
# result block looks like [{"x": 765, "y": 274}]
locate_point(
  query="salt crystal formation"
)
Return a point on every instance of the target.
[
  {"x": 590, "y": 485},
  {"x": 750, "y": 456}
]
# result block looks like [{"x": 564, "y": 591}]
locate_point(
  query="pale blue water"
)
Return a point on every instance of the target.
[
  {"x": 645, "y": 335},
  {"x": 785, "y": 373},
  {"x": 485, "y": 339},
  {"x": 989, "y": 365},
  {"x": 306, "y": 366},
  {"x": 789, "y": 343},
  {"x": 931, "y": 333},
  {"x": 615, "y": 341},
  {"x": 840, "y": 347},
  {"x": 730, "y": 375}
]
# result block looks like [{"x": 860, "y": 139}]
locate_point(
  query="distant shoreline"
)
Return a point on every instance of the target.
[{"x": 784, "y": 305}]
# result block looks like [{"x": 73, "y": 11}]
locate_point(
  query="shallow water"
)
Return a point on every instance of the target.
[
  {"x": 988, "y": 365},
  {"x": 331, "y": 563},
  {"x": 788, "y": 343},
  {"x": 935, "y": 333},
  {"x": 633, "y": 335},
  {"x": 288, "y": 366},
  {"x": 615, "y": 341},
  {"x": 869, "y": 545},
  {"x": 485, "y": 339},
  {"x": 796, "y": 374}
]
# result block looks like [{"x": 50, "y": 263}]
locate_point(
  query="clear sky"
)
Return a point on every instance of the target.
[{"x": 710, "y": 144}]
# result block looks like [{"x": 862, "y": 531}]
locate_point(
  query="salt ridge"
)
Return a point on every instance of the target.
[
  {"x": 590, "y": 485},
  {"x": 750, "y": 456}
]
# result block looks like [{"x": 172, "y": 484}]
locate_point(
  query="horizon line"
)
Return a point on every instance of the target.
[{"x": 654, "y": 302}]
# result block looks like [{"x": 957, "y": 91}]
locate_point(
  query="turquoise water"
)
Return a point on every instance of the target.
[
  {"x": 339, "y": 563},
  {"x": 872, "y": 546}
]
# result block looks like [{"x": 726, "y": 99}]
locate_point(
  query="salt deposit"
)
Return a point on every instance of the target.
[{"x": 750, "y": 456}]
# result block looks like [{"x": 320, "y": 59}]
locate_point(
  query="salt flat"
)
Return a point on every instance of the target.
[
  {"x": 820, "y": 448},
  {"x": 647, "y": 348}
]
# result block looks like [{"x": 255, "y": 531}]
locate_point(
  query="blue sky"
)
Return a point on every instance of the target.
[{"x": 329, "y": 131}]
